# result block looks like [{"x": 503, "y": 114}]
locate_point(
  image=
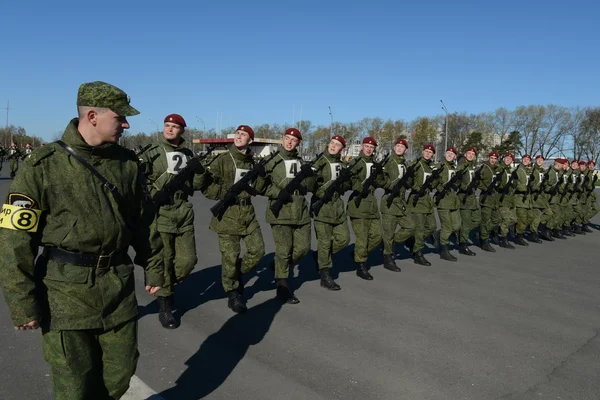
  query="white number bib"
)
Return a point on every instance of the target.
[
  {"x": 369, "y": 167},
  {"x": 401, "y": 170},
  {"x": 239, "y": 174},
  {"x": 176, "y": 161},
  {"x": 541, "y": 177},
  {"x": 291, "y": 168},
  {"x": 451, "y": 173},
  {"x": 335, "y": 170}
]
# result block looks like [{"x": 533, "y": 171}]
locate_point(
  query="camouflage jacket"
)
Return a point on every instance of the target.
[
  {"x": 488, "y": 197},
  {"x": 161, "y": 163},
  {"x": 470, "y": 203},
  {"x": 394, "y": 170},
  {"x": 225, "y": 170},
  {"x": 448, "y": 198},
  {"x": 77, "y": 213},
  {"x": 368, "y": 207},
  {"x": 422, "y": 172},
  {"x": 327, "y": 169}
]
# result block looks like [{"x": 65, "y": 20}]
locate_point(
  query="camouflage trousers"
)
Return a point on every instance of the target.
[
  {"x": 425, "y": 226},
  {"x": 580, "y": 211},
  {"x": 368, "y": 236},
  {"x": 331, "y": 238},
  {"x": 593, "y": 207},
  {"x": 13, "y": 165},
  {"x": 450, "y": 221},
  {"x": 508, "y": 217},
  {"x": 525, "y": 217},
  {"x": 490, "y": 219},
  {"x": 541, "y": 216},
  {"x": 94, "y": 364},
  {"x": 292, "y": 242},
  {"x": 392, "y": 235},
  {"x": 179, "y": 257},
  {"x": 556, "y": 220},
  {"x": 471, "y": 219},
  {"x": 567, "y": 213},
  {"x": 230, "y": 251}
]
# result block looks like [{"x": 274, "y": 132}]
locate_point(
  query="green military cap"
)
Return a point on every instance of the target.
[{"x": 102, "y": 94}]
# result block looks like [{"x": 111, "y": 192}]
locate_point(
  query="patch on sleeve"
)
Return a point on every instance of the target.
[
  {"x": 20, "y": 200},
  {"x": 19, "y": 218}
]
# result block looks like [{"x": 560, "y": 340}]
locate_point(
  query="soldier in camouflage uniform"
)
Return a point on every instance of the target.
[
  {"x": 291, "y": 228},
  {"x": 582, "y": 197},
  {"x": 592, "y": 199},
  {"x": 14, "y": 155},
  {"x": 522, "y": 199},
  {"x": 470, "y": 213},
  {"x": 238, "y": 223},
  {"x": 81, "y": 290},
  {"x": 488, "y": 200},
  {"x": 575, "y": 190},
  {"x": 565, "y": 190},
  {"x": 331, "y": 223},
  {"x": 365, "y": 219},
  {"x": 175, "y": 220},
  {"x": 448, "y": 204},
  {"x": 506, "y": 200},
  {"x": 396, "y": 215},
  {"x": 422, "y": 210},
  {"x": 541, "y": 211},
  {"x": 551, "y": 187}
]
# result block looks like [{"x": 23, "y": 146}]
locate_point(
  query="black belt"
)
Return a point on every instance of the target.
[
  {"x": 86, "y": 259},
  {"x": 243, "y": 202}
]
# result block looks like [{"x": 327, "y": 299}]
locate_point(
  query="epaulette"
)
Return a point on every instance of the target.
[{"x": 39, "y": 154}]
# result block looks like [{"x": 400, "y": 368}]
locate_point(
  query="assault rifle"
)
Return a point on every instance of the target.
[
  {"x": 493, "y": 184},
  {"x": 370, "y": 180},
  {"x": 286, "y": 193},
  {"x": 439, "y": 195},
  {"x": 335, "y": 186},
  {"x": 240, "y": 186},
  {"x": 395, "y": 192},
  {"x": 427, "y": 184},
  {"x": 509, "y": 184},
  {"x": 542, "y": 185},
  {"x": 194, "y": 165}
]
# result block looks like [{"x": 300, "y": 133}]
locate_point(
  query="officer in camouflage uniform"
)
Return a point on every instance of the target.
[
  {"x": 14, "y": 155},
  {"x": 582, "y": 197},
  {"x": 575, "y": 190},
  {"x": 565, "y": 190},
  {"x": 506, "y": 200},
  {"x": 592, "y": 200},
  {"x": 422, "y": 211},
  {"x": 238, "y": 223},
  {"x": 365, "y": 219},
  {"x": 396, "y": 215},
  {"x": 291, "y": 228},
  {"x": 470, "y": 213},
  {"x": 522, "y": 199},
  {"x": 488, "y": 200},
  {"x": 331, "y": 223},
  {"x": 541, "y": 211},
  {"x": 81, "y": 290},
  {"x": 448, "y": 204},
  {"x": 175, "y": 220},
  {"x": 551, "y": 186}
]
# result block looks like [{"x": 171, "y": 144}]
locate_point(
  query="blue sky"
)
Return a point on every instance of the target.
[{"x": 253, "y": 61}]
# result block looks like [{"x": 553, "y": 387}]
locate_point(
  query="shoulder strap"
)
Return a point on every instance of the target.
[{"x": 112, "y": 188}]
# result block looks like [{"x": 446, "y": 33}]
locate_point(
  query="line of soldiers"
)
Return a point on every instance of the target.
[
  {"x": 14, "y": 154},
  {"x": 547, "y": 204}
]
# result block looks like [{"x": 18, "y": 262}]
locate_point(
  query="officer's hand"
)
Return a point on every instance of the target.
[
  {"x": 152, "y": 289},
  {"x": 196, "y": 166},
  {"x": 283, "y": 196},
  {"x": 30, "y": 325},
  {"x": 307, "y": 170},
  {"x": 378, "y": 168},
  {"x": 302, "y": 190}
]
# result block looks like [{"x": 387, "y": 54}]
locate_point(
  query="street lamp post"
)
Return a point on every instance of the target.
[
  {"x": 156, "y": 125},
  {"x": 331, "y": 125},
  {"x": 446, "y": 111},
  {"x": 203, "y": 126}
]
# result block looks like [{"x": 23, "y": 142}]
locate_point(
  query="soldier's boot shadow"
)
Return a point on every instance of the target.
[{"x": 219, "y": 355}]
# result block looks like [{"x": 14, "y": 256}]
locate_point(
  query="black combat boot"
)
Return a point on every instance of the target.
[
  {"x": 284, "y": 293},
  {"x": 533, "y": 237},
  {"x": 165, "y": 313},
  {"x": 586, "y": 228},
  {"x": 566, "y": 231},
  {"x": 494, "y": 236},
  {"x": 409, "y": 243},
  {"x": 504, "y": 243},
  {"x": 420, "y": 259},
  {"x": 436, "y": 239},
  {"x": 546, "y": 235},
  {"x": 327, "y": 281},
  {"x": 445, "y": 253},
  {"x": 389, "y": 263},
  {"x": 577, "y": 229},
  {"x": 239, "y": 276},
  {"x": 236, "y": 302},
  {"x": 520, "y": 241},
  {"x": 463, "y": 248},
  {"x": 362, "y": 271},
  {"x": 557, "y": 233},
  {"x": 486, "y": 246}
]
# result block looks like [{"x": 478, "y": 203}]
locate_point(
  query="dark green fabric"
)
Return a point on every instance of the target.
[
  {"x": 292, "y": 242},
  {"x": 230, "y": 251},
  {"x": 330, "y": 239},
  {"x": 367, "y": 232}
]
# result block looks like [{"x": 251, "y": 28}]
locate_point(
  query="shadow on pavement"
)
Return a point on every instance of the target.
[{"x": 221, "y": 352}]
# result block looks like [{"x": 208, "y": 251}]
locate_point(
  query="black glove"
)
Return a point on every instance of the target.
[
  {"x": 196, "y": 166},
  {"x": 306, "y": 170},
  {"x": 378, "y": 168},
  {"x": 302, "y": 190},
  {"x": 284, "y": 196},
  {"x": 229, "y": 198},
  {"x": 260, "y": 170}
]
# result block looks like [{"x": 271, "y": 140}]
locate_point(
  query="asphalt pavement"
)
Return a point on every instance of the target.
[{"x": 515, "y": 324}]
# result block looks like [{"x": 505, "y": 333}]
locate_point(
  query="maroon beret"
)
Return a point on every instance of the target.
[
  {"x": 429, "y": 147},
  {"x": 494, "y": 154},
  {"x": 526, "y": 156},
  {"x": 176, "y": 119},
  {"x": 591, "y": 162},
  {"x": 575, "y": 162},
  {"x": 246, "y": 129},
  {"x": 511, "y": 155},
  {"x": 369, "y": 140},
  {"x": 582, "y": 163},
  {"x": 339, "y": 139},
  {"x": 402, "y": 141},
  {"x": 294, "y": 132},
  {"x": 452, "y": 149},
  {"x": 473, "y": 149},
  {"x": 539, "y": 156}
]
